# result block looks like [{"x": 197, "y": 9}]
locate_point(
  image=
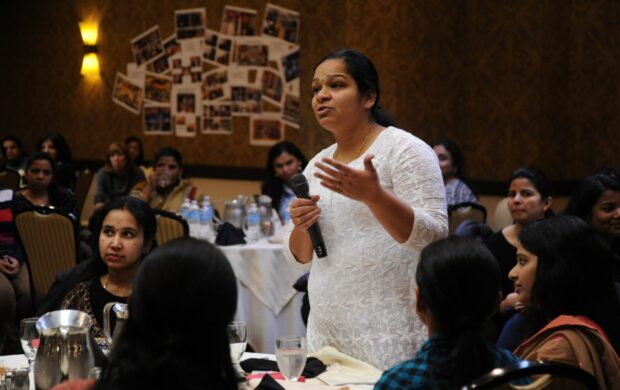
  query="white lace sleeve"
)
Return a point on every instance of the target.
[{"x": 417, "y": 180}]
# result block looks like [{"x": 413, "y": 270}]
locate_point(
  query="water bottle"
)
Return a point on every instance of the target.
[
  {"x": 194, "y": 219},
  {"x": 206, "y": 221},
  {"x": 184, "y": 211},
  {"x": 252, "y": 229}
]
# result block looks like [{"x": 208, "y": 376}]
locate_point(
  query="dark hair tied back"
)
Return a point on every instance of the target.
[{"x": 366, "y": 78}]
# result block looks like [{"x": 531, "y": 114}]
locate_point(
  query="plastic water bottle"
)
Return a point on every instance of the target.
[
  {"x": 184, "y": 211},
  {"x": 252, "y": 232},
  {"x": 206, "y": 221},
  {"x": 194, "y": 219}
]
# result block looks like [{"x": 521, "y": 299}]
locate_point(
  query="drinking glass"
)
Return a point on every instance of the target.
[
  {"x": 163, "y": 180},
  {"x": 238, "y": 339},
  {"x": 29, "y": 336},
  {"x": 291, "y": 356}
]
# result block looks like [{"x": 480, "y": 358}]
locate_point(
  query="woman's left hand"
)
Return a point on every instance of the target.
[{"x": 362, "y": 185}]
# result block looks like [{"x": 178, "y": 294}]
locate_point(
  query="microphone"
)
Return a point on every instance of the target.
[{"x": 301, "y": 189}]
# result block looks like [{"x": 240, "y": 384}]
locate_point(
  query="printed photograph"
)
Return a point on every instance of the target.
[
  {"x": 265, "y": 132},
  {"x": 160, "y": 64},
  {"x": 249, "y": 54},
  {"x": 238, "y": 21},
  {"x": 157, "y": 88},
  {"x": 171, "y": 46},
  {"x": 147, "y": 46},
  {"x": 127, "y": 94},
  {"x": 217, "y": 48},
  {"x": 217, "y": 118},
  {"x": 291, "y": 110},
  {"x": 185, "y": 125},
  {"x": 290, "y": 65},
  {"x": 281, "y": 23},
  {"x": 214, "y": 84},
  {"x": 190, "y": 23},
  {"x": 272, "y": 86},
  {"x": 245, "y": 100},
  {"x": 157, "y": 120}
]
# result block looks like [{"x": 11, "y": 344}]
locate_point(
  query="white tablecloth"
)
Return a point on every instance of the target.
[
  {"x": 267, "y": 302},
  {"x": 16, "y": 361}
]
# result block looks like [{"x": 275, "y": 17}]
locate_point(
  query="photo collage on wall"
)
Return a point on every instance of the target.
[{"x": 199, "y": 79}]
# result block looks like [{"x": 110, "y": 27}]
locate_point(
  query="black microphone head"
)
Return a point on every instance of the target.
[{"x": 300, "y": 184}]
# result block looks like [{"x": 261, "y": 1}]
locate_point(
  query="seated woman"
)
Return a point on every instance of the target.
[
  {"x": 184, "y": 296},
  {"x": 165, "y": 188},
  {"x": 452, "y": 163},
  {"x": 458, "y": 290},
  {"x": 597, "y": 201},
  {"x": 15, "y": 297},
  {"x": 284, "y": 161},
  {"x": 126, "y": 233},
  {"x": 117, "y": 177},
  {"x": 56, "y": 146},
  {"x": 529, "y": 200},
  {"x": 563, "y": 276},
  {"x": 42, "y": 189},
  {"x": 136, "y": 153}
]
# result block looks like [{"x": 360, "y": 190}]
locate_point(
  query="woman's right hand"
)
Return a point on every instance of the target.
[
  {"x": 9, "y": 266},
  {"x": 305, "y": 212}
]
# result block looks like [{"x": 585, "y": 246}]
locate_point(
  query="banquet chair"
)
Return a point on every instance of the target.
[
  {"x": 502, "y": 216},
  {"x": 9, "y": 180},
  {"x": 461, "y": 212},
  {"x": 546, "y": 375},
  {"x": 170, "y": 226},
  {"x": 50, "y": 241},
  {"x": 82, "y": 185}
]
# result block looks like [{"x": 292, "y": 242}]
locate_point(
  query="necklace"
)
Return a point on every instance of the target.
[
  {"x": 359, "y": 151},
  {"x": 105, "y": 284}
]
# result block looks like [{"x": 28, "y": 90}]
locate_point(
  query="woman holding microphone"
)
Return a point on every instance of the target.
[{"x": 379, "y": 197}]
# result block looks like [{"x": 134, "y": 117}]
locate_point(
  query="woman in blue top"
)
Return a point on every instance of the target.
[{"x": 458, "y": 290}]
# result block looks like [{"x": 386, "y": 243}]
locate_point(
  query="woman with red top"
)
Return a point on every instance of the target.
[{"x": 563, "y": 276}]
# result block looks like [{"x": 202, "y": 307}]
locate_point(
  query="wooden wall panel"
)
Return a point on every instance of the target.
[{"x": 514, "y": 82}]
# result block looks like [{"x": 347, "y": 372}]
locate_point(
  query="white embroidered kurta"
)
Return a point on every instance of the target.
[{"x": 362, "y": 294}]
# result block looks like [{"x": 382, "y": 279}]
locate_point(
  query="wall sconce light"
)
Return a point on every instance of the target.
[{"x": 90, "y": 62}]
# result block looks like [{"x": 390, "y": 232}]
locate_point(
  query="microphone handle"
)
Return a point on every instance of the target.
[{"x": 315, "y": 234}]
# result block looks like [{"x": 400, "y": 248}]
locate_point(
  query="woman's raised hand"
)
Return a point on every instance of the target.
[{"x": 358, "y": 184}]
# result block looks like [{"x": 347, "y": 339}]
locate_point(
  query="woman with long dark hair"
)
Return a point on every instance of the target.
[
  {"x": 597, "y": 201},
  {"x": 57, "y": 147},
  {"x": 529, "y": 200},
  {"x": 458, "y": 284},
  {"x": 184, "y": 297},
  {"x": 379, "y": 197},
  {"x": 563, "y": 276},
  {"x": 125, "y": 231},
  {"x": 42, "y": 188},
  {"x": 284, "y": 161}
]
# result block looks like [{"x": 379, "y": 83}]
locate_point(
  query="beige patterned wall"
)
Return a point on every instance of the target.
[{"x": 519, "y": 82}]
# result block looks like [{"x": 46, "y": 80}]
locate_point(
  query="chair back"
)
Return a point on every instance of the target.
[
  {"x": 9, "y": 180},
  {"x": 170, "y": 226},
  {"x": 82, "y": 185},
  {"x": 502, "y": 216},
  {"x": 49, "y": 239},
  {"x": 550, "y": 375},
  {"x": 460, "y": 212}
]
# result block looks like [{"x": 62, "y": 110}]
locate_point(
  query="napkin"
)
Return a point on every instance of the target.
[
  {"x": 229, "y": 235},
  {"x": 313, "y": 366},
  {"x": 344, "y": 369},
  {"x": 268, "y": 383}
]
